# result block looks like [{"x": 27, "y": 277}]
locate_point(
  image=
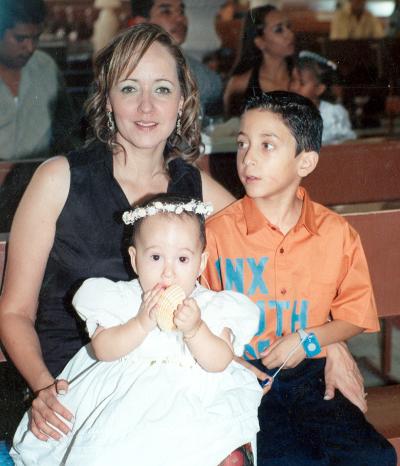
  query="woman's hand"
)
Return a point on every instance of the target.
[
  {"x": 146, "y": 315},
  {"x": 187, "y": 317},
  {"x": 341, "y": 372},
  {"x": 47, "y": 410},
  {"x": 276, "y": 354}
]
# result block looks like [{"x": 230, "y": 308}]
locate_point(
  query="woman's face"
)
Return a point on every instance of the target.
[
  {"x": 145, "y": 104},
  {"x": 277, "y": 38}
]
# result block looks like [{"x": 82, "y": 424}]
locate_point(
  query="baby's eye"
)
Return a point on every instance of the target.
[
  {"x": 240, "y": 144},
  {"x": 268, "y": 145},
  {"x": 183, "y": 259},
  {"x": 155, "y": 257},
  {"x": 162, "y": 90}
]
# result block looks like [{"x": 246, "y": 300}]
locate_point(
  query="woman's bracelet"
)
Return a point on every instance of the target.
[{"x": 194, "y": 332}]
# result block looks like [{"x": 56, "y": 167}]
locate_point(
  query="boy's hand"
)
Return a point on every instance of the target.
[
  {"x": 146, "y": 315},
  {"x": 187, "y": 316},
  {"x": 275, "y": 355}
]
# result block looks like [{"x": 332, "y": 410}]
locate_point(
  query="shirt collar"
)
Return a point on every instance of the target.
[{"x": 255, "y": 220}]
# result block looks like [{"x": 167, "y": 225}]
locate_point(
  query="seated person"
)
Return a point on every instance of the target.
[
  {"x": 36, "y": 117},
  {"x": 313, "y": 77},
  {"x": 160, "y": 364},
  {"x": 170, "y": 15},
  {"x": 354, "y": 22},
  {"x": 305, "y": 268},
  {"x": 264, "y": 61}
]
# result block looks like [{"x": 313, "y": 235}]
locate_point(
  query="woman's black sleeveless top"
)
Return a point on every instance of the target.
[{"x": 90, "y": 241}]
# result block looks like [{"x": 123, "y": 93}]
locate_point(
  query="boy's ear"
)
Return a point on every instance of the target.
[
  {"x": 307, "y": 162},
  {"x": 132, "y": 254},
  {"x": 203, "y": 262}
]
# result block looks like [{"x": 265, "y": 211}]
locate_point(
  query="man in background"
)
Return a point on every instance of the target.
[
  {"x": 353, "y": 21},
  {"x": 35, "y": 115},
  {"x": 170, "y": 15}
]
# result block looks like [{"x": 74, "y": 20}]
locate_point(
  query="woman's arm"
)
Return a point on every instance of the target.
[
  {"x": 235, "y": 86},
  {"x": 31, "y": 239},
  {"x": 342, "y": 372},
  {"x": 215, "y": 193}
]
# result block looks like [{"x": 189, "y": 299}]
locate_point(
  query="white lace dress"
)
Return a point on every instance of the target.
[{"x": 156, "y": 406}]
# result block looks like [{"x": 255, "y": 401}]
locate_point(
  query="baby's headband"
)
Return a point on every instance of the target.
[
  {"x": 197, "y": 207},
  {"x": 317, "y": 58}
]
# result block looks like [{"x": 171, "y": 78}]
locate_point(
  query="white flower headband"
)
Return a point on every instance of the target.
[
  {"x": 198, "y": 207},
  {"x": 318, "y": 58}
]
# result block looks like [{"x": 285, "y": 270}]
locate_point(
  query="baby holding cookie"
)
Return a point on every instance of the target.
[{"x": 158, "y": 384}]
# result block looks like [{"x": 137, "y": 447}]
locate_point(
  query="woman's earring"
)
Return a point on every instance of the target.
[
  {"x": 110, "y": 122},
  {"x": 179, "y": 124}
]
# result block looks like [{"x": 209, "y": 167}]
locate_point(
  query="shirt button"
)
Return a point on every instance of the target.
[
  {"x": 283, "y": 291},
  {"x": 281, "y": 250}
]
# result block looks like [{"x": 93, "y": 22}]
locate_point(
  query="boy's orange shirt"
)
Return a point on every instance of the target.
[{"x": 318, "y": 271}]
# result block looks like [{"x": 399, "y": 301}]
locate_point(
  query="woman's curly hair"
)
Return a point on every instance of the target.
[{"x": 118, "y": 59}]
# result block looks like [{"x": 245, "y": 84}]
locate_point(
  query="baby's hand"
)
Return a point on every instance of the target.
[
  {"x": 187, "y": 316},
  {"x": 278, "y": 351},
  {"x": 146, "y": 315}
]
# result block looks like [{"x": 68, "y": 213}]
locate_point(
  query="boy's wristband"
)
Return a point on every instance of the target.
[{"x": 310, "y": 343}]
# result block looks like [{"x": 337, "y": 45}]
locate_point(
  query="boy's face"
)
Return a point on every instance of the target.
[
  {"x": 168, "y": 252},
  {"x": 266, "y": 156}
]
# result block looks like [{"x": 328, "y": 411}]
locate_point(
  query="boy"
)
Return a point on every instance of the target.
[{"x": 305, "y": 268}]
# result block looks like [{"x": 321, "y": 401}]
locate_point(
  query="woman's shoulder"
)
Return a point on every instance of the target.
[
  {"x": 91, "y": 153},
  {"x": 239, "y": 82}
]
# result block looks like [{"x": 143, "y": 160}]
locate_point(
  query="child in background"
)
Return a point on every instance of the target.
[
  {"x": 304, "y": 266},
  {"x": 313, "y": 77},
  {"x": 149, "y": 397}
]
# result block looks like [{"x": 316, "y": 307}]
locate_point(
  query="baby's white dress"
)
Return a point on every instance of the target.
[{"x": 156, "y": 406}]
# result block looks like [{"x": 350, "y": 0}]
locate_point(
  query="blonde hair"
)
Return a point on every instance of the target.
[{"x": 118, "y": 59}]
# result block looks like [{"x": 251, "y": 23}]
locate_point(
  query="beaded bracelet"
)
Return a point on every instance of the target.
[{"x": 194, "y": 332}]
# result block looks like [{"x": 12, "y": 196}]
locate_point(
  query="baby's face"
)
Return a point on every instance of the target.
[
  {"x": 304, "y": 82},
  {"x": 168, "y": 252}
]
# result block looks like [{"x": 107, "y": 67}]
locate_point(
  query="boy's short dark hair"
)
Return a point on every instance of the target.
[
  {"x": 20, "y": 11},
  {"x": 141, "y": 7},
  {"x": 298, "y": 113}
]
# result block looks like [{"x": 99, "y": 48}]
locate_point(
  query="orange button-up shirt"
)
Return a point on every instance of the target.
[{"x": 316, "y": 272}]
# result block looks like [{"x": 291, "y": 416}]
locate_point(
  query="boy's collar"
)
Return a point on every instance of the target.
[{"x": 255, "y": 219}]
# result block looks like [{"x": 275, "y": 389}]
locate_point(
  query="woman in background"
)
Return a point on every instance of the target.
[{"x": 264, "y": 62}]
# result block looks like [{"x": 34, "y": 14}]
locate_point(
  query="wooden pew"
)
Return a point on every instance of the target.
[
  {"x": 14, "y": 177},
  {"x": 362, "y": 171},
  {"x": 356, "y": 172},
  {"x": 380, "y": 233}
]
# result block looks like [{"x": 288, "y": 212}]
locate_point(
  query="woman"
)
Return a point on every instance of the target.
[
  {"x": 144, "y": 116},
  {"x": 264, "y": 61}
]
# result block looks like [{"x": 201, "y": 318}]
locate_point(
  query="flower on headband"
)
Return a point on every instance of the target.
[{"x": 197, "y": 207}]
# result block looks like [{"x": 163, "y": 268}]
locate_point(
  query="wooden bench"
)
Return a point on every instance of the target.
[
  {"x": 14, "y": 177},
  {"x": 380, "y": 233},
  {"x": 359, "y": 172}
]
